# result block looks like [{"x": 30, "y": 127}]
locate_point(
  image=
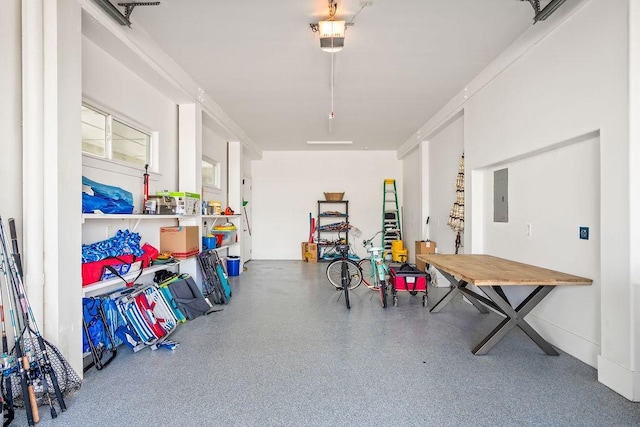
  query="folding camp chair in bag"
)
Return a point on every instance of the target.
[
  {"x": 148, "y": 314},
  {"x": 98, "y": 338},
  {"x": 211, "y": 285}
]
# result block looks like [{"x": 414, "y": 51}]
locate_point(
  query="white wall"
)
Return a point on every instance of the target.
[
  {"x": 288, "y": 184},
  {"x": 412, "y": 222},
  {"x": 445, "y": 149},
  {"x": 566, "y": 81},
  {"x": 571, "y": 83},
  {"x": 108, "y": 83},
  {"x": 10, "y": 117},
  {"x": 116, "y": 88},
  {"x": 10, "y": 111},
  {"x": 555, "y": 195}
]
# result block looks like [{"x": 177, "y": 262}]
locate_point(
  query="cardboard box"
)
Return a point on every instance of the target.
[
  {"x": 182, "y": 242},
  {"x": 424, "y": 247},
  {"x": 309, "y": 252}
]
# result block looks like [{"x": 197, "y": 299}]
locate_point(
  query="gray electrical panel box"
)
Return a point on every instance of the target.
[{"x": 501, "y": 195}]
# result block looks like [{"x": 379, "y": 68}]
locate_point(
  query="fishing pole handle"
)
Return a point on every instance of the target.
[
  {"x": 12, "y": 229},
  {"x": 32, "y": 394}
]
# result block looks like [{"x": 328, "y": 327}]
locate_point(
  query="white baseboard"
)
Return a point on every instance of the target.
[
  {"x": 620, "y": 379},
  {"x": 575, "y": 345}
]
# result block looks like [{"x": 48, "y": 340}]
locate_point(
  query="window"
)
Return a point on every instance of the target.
[
  {"x": 110, "y": 138},
  {"x": 94, "y": 132},
  {"x": 210, "y": 173}
]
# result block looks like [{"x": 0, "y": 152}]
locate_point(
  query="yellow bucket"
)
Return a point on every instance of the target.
[
  {"x": 398, "y": 252},
  {"x": 397, "y": 245},
  {"x": 399, "y": 255}
]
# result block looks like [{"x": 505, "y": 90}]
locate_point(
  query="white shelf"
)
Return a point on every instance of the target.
[
  {"x": 106, "y": 286},
  {"x": 131, "y": 216},
  {"x": 221, "y": 216},
  {"x": 221, "y": 248}
]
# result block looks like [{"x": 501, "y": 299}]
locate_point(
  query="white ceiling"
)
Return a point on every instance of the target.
[{"x": 402, "y": 61}]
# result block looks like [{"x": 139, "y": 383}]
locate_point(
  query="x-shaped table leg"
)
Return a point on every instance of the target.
[
  {"x": 514, "y": 317},
  {"x": 458, "y": 286}
]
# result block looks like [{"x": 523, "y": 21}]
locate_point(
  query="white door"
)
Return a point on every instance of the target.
[{"x": 246, "y": 219}]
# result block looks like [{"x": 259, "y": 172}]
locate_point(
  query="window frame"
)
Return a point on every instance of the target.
[
  {"x": 110, "y": 116},
  {"x": 216, "y": 172}
]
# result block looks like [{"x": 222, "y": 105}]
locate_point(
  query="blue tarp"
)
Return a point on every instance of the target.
[{"x": 106, "y": 198}]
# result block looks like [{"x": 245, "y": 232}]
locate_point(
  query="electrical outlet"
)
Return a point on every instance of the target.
[
  {"x": 584, "y": 233},
  {"x": 528, "y": 230}
]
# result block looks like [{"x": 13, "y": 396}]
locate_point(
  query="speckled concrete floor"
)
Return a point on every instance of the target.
[{"x": 287, "y": 352}]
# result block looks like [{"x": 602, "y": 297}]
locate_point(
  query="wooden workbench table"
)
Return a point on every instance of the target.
[{"x": 490, "y": 273}]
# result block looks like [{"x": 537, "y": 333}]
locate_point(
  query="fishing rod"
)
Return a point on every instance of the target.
[
  {"x": 7, "y": 368},
  {"x": 23, "y": 364},
  {"x": 32, "y": 357},
  {"x": 31, "y": 326}
]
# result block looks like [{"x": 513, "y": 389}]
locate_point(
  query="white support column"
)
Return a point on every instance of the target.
[
  {"x": 33, "y": 152},
  {"x": 234, "y": 188},
  {"x": 190, "y": 148},
  {"x": 190, "y": 169},
  {"x": 424, "y": 192},
  {"x": 61, "y": 188},
  {"x": 619, "y": 359},
  {"x": 634, "y": 196}
]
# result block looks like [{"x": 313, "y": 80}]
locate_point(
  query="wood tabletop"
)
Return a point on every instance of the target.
[{"x": 487, "y": 270}]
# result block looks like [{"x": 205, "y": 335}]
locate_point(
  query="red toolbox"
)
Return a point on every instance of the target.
[{"x": 408, "y": 278}]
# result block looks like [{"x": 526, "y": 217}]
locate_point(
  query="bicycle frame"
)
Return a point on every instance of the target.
[
  {"x": 379, "y": 270},
  {"x": 377, "y": 262},
  {"x": 348, "y": 272}
]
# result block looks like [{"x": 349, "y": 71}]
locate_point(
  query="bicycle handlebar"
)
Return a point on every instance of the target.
[{"x": 368, "y": 241}]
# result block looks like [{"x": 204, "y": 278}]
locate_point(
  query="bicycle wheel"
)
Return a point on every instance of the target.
[
  {"x": 345, "y": 282},
  {"x": 369, "y": 274},
  {"x": 383, "y": 293},
  {"x": 334, "y": 273}
]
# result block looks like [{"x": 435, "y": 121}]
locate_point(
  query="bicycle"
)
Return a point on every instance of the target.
[
  {"x": 374, "y": 270},
  {"x": 344, "y": 273}
]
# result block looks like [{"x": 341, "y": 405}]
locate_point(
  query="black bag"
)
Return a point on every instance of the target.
[{"x": 190, "y": 301}]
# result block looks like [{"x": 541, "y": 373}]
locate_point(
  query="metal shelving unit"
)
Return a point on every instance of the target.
[{"x": 341, "y": 215}]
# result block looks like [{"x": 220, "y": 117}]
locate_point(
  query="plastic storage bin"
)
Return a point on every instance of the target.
[
  {"x": 233, "y": 265},
  {"x": 210, "y": 242},
  {"x": 226, "y": 237}
]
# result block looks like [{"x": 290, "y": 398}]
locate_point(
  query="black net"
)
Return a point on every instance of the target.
[{"x": 40, "y": 374}]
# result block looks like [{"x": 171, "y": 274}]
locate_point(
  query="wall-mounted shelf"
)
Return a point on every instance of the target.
[
  {"x": 208, "y": 227},
  {"x": 110, "y": 285},
  {"x": 128, "y": 216},
  {"x": 137, "y": 217}
]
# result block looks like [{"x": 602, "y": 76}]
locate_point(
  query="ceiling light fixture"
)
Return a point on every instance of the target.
[
  {"x": 331, "y": 31},
  {"x": 329, "y": 142},
  {"x": 544, "y": 13}
]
